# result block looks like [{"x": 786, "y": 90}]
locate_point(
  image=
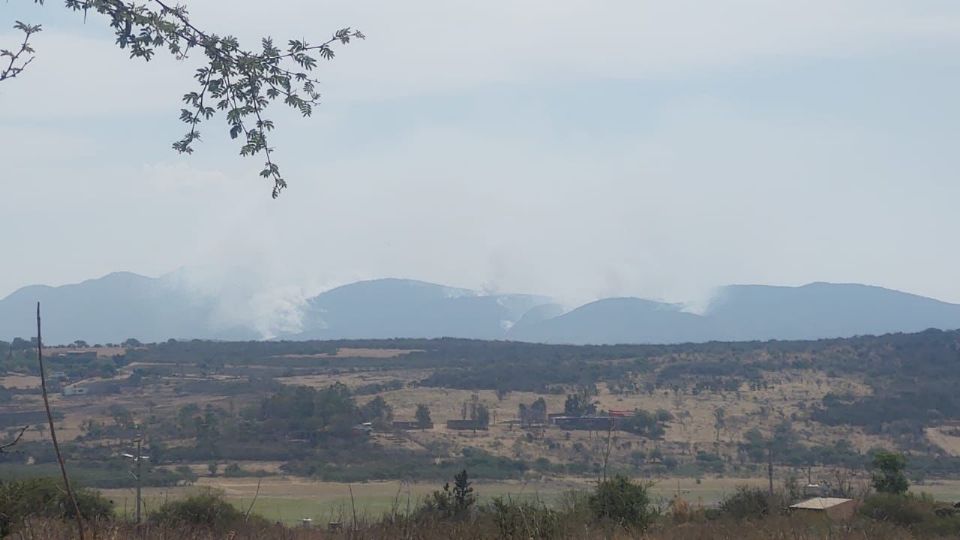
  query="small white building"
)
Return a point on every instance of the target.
[{"x": 75, "y": 390}]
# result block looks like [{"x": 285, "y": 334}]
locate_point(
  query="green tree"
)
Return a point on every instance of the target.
[
  {"x": 239, "y": 83},
  {"x": 538, "y": 411},
  {"x": 186, "y": 473},
  {"x": 377, "y": 411},
  {"x": 579, "y": 404},
  {"x": 452, "y": 501},
  {"x": 719, "y": 420},
  {"x": 623, "y": 501},
  {"x": 463, "y": 496},
  {"x": 642, "y": 423},
  {"x": 481, "y": 414},
  {"x": 888, "y": 474},
  {"x": 423, "y": 416}
]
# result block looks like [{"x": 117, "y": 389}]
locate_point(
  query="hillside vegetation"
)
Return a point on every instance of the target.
[{"x": 378, "y": 410}]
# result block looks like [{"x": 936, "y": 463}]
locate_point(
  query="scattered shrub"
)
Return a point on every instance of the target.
[
  {"x": 920, "y": 513},
  {"x": 622, "y": 501},
  {"x": 44, "y": 497},
  {"x": 205, "y": 509},
  {"x": 452, "y": 501},
  {"x": 751, "y": 503},
  {"x": 901, "y": 510},
  {"x": 524, "y": 520},
  {"x": 888, "y": 474}
]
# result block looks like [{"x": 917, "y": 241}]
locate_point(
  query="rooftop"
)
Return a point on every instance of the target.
[{"x": 820, "y": 503}]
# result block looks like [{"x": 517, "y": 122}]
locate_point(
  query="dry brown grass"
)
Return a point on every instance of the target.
[
  {"x": 15, "y": 380},
  {"x": 792, "y": 528},
  {"x": 947, "y": 442}
]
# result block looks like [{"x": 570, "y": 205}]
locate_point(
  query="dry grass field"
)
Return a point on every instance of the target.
[
  {"x": 290, "y": 499},
  {"x": 20, "y": 381}
]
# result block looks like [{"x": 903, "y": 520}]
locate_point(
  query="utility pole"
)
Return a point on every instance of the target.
[
  {"x": 139, "y": 476},
  {"x": 770, "y": 467}
]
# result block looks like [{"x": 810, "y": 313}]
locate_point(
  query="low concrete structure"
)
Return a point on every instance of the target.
[
  {"x": 591, "y": 423},
  {"x": 465, "y": 425},
  {"x": 832, "y": 507},
  {"x": 75, "y": 390},
  {"x": 405, "y": 424}
]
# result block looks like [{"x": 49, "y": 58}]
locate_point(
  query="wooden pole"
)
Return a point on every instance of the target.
[
  {"x": 53, "y": 432},
  {"x": 139, "y": 477},
  {"x": 770, "y": 467}
]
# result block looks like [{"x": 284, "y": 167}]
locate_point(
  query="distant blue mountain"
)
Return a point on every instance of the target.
[
  {"x": 388, "y": 308},
  {"x": 123, "y": 305},
  {"x": 113, "y": 308},
  {"x": 750, "y": 312},
  {"x": 617, "y": 320},
  {"x": 821, "y": 310}
]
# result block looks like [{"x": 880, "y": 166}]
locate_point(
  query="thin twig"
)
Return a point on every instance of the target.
[
  {"x": 606, "y": 452},
  {"x": 12, "y": 70},
  {"x": 246, "y": 515},
  {"x": 353, "y": 506},
  {"x": 53, "y": 432}
]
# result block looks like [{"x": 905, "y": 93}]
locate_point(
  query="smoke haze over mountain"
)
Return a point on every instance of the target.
[
  {"x": 181, "y": 306},
  {"x": 686, "y": 146}
]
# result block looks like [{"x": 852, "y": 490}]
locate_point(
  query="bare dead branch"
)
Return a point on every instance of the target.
[{"x": 15, "y": 441}]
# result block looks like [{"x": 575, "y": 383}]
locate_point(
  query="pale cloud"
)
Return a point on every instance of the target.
[
  {"x": 182, "y": 177},
  {"x": 427, "y": 47}
]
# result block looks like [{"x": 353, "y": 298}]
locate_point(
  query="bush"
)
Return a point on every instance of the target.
[
  {"x": 206, "y": 509},
  {"x": 44, "y": 497},
  {"x": 524, "y": 520},
  {"x": 901, "y": 510},
  {"x": 920, "y": 513},
  {"x": 622, "y": 501},
  {"x": 187, "y": 474},
  {"x": 750, "y": 503},
  {"x": 452, "y": 501},
  {"x": 888, "y": 474}
]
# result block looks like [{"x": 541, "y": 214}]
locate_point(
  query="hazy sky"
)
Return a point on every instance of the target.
[{"x": 577, "y": 148}]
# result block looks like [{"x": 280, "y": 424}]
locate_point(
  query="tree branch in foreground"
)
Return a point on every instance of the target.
[
  {"x": 240, "y": 83},
  {"x": 19, "y": 60}
]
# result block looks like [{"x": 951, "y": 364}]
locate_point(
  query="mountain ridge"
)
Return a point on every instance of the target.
[{"x": 120, "y": 305}]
